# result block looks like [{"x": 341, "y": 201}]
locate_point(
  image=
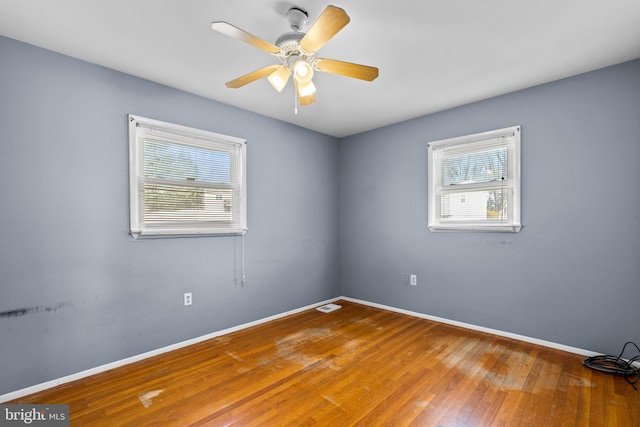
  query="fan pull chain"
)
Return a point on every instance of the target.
[
  {"x": 295, "y": 101},
  {"x": 244, "y": 276}
]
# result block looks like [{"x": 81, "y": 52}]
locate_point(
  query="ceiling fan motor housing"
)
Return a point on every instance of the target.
[
  {"x": 289, "y": 38},
  {"x": 289, "y": 43}
]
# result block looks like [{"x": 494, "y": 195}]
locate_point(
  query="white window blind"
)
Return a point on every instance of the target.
[
  {"x": 185, "y": 181},
  {"x": 474, "y": 182}
]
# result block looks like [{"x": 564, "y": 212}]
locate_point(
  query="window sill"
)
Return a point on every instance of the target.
[
  {"x": 164, "y": 234},
  {"x": 510, "y": 228}
]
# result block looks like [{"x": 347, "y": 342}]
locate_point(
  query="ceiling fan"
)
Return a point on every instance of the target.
[{"x": 297, "y": 53}]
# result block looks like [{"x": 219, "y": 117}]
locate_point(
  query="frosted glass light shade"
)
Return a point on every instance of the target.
[
  {"x": 303, "y": 71},
  {"x": 306, "y": 88},
  {"x": 279, "y": 78}
]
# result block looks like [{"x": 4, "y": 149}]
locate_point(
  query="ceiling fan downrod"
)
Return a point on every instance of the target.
[{"x": 297, "y": 18}]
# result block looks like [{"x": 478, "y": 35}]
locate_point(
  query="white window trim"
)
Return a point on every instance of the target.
[
  {"x": 514, "y": 223},
  {"x": 185, "y": 133}
]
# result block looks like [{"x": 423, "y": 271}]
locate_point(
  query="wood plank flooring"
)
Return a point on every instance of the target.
[{"x": 356, "y": 366}]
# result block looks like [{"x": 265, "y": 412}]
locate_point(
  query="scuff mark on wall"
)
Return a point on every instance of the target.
[
  {"x": 15, "y": 313},
  {"x": 23, "y": 311}
]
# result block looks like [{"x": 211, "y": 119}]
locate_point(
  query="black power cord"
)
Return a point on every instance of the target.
[{"x": 617, "y": 365}]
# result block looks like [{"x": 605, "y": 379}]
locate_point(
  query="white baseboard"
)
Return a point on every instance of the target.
[
  {"x": 73, "y": 377},
  {"x": 524, "y": 338}
]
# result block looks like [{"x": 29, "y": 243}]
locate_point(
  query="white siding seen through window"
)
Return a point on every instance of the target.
[{"x": 185, "y": 181}]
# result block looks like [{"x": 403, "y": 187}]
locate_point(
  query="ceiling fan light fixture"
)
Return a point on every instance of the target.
[
  {"x": 302, "y": 70},
  {"x": 279, "y": 78}
]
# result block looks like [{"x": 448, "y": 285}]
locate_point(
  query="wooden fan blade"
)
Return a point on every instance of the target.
[
  {"x": 332, "y": 20},
  {"x": 242, "y": 35},
  {"x": 347, "y": 69},
  {"x": 304, "y": 100},
  {"x": 253, "y": 76}
]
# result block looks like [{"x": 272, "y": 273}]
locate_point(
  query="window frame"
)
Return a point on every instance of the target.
[
  {"x": 139, "y": 127},
  {"x": 480, "y": 141}
]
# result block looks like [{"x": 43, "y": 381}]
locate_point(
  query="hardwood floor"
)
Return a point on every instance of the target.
[{"x": 355, "y": 366}]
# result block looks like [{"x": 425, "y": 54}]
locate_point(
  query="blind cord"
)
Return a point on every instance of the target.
[
  {"x": 242, "y": 266},
  {"x": 617, "y": 365}
]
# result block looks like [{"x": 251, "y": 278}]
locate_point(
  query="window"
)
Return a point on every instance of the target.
[
  {"x": 474, "y": 182},
  {"x": 184, "y": 181}
]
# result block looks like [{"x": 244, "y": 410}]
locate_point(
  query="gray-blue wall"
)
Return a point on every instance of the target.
[
  {"x": 571, "y": 276},
  {"x": 76, "y": 291}
]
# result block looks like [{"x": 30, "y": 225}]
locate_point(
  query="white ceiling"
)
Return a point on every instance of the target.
[{"x": 432, "y": 55}]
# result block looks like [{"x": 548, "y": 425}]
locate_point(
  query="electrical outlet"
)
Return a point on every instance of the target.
[
  {"x": 188, "y": 298},
  {"x": 413, "y": 280}
]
